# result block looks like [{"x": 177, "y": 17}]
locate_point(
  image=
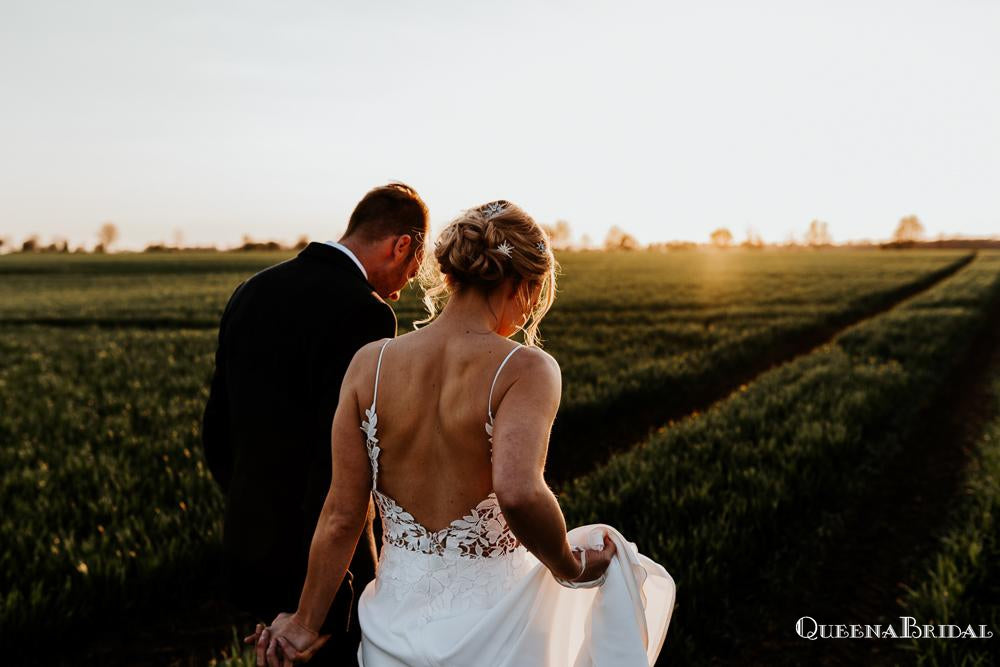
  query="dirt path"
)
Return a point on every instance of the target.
[{"x": 893, "y": 528}]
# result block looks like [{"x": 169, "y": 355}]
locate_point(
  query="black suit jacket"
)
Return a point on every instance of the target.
[{"x": 286, "y": 338}]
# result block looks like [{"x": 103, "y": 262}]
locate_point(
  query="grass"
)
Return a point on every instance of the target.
[
  {"x": 961, "y": 583},
  {"x": 728, "y": 500},
  {"x": 109, "y": 508}
]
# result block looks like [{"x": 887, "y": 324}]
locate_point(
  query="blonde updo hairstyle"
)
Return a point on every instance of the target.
[{"x": 470, "y": 253}]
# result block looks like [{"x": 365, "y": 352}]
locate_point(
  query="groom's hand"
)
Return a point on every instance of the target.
[
  {"x": 296, "y": 642},
  {"x": 295, "y": 655}
]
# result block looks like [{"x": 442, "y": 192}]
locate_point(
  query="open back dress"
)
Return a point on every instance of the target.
[{"x": 471, "y": 594}]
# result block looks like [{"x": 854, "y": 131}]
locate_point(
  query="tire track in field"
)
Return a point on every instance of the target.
[
  {"x": 631, "y": 419},
  {"x": 890, "y": 531}
]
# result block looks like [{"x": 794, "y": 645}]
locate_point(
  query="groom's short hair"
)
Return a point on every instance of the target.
[{"x": 389, "y": 210}]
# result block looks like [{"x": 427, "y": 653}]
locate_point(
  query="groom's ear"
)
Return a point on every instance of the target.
[{"x": 403, "y": 246}]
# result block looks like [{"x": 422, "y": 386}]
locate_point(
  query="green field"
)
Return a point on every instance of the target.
[
  {"x": 962, "y": 580},
  {"x": 723, "y": 409},
  {"x": 627, "y": 331}
]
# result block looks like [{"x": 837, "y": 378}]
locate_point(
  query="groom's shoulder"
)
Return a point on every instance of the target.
[
  {"x": 299, "y": 277},
  {"x": 374, "y": 306}
]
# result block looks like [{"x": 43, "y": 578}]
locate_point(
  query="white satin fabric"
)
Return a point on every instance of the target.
[{"x": 427, "y": 609}]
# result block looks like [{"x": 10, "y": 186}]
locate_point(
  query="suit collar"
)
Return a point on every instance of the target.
[
  {"x": 329, "y": 254},
  {"x": 350, "y": 253}
]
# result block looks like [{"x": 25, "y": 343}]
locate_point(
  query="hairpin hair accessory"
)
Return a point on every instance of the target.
[
  {"x": 505, "y": 248},
  {"x": 493, "y": 208},
  {"x": 541, "y": 246}
]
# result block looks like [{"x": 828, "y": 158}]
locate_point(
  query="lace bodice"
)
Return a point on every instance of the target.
[{"x": 482, "y": 533}]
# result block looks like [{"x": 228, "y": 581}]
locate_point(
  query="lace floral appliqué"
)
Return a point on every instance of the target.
[
  {"x": 372, "y": 442},
  {"x": 483, "y": 533}
]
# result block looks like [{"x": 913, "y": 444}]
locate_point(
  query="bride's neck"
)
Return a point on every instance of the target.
[{"x": 469, "y": 311}]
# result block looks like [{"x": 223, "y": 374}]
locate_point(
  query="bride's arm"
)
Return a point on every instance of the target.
[
  {"x": 345, "y": 509},
  {"x": 521, "y": 427}
]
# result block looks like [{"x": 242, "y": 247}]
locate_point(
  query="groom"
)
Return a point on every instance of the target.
[{"x": 286, "y": 338}]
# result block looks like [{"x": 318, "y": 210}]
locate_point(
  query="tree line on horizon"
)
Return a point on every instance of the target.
[{"x": 909, "y": 232}]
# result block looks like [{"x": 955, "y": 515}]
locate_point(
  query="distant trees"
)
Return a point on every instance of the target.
[
  {"x": 664, "y": 246},
  {"x": 250, "y": 244},
  {"x": 909, "y": 229},
  {"x": 618, "y": 239},
  {"x": 908, "y": 232},
  {"x": 559, "y": 233},
  {"x": 106, "y": 236},
  {"x": 161, "y": 246},
  {"x": 791, "y": 240},
  {"x": 34, "y": 244},
  {"x": 721, "y": 238},
  {"x": 818, "y": 234},
  {"x": 57, "y": 245},
  {"x": 753, "y": 239}
]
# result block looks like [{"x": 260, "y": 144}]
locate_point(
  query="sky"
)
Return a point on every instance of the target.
[{"x": 207, "y": 121}]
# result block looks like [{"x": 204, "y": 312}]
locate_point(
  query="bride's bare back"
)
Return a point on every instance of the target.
[{"x": 432, "y": 408}]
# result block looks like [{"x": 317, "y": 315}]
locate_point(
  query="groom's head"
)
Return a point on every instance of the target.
[{"x": 387, "y": 232}]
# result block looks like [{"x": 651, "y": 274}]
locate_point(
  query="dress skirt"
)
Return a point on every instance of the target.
[{"x": 434, "y": 609}]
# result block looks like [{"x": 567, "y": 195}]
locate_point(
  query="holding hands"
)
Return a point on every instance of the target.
[{"x": 285, "y": 641}]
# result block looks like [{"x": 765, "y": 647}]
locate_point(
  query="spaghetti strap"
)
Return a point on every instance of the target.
[
  {"x": 377, "y": 369},
  {"x": 489, "y": 404},
  {"x": 369, "y": 425}
]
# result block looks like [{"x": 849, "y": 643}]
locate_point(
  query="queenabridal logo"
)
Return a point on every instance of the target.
[{"x": 807, "y": 628}]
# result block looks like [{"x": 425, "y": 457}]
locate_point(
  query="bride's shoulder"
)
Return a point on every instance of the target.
[
  {"x": 537, "y": 363},
  {"x": 364, "y": 358},
  {"x": 371, "y": 349},
  {"x": 535, "y": 380}
]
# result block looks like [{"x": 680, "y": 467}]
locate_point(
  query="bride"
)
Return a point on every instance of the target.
[{"x": 447, "y": 428}]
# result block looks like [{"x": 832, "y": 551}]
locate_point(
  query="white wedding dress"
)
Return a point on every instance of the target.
[{"x": 470, "y": 594}]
